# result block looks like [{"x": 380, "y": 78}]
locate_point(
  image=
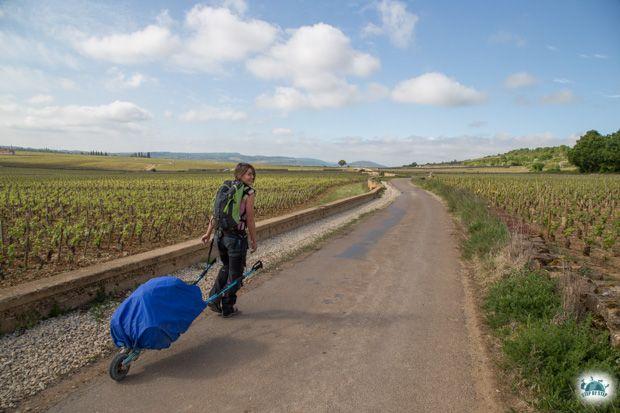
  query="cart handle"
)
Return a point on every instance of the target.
[
  {"x": 249, "y": 273},
  {"x": 209, "y": 264}
]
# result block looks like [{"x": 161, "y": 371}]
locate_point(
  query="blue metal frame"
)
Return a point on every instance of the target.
[{"x": 134, "y": 353}]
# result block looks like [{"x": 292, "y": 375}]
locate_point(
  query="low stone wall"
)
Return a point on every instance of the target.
[{"x": 23, "y": 305}]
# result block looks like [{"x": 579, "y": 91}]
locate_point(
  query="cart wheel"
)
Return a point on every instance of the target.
[{"x": 117, "y": 370}]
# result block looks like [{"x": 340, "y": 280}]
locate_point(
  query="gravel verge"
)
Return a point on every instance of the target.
[{"x": 34, "y": 359}]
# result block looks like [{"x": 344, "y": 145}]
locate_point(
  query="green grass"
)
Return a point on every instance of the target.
[
  {"x": 521, "y": 297},
  {"x": 548, "y": 355},
  {"x": 341, "y": 192}
]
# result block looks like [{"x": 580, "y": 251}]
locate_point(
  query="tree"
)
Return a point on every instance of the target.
[
  {"x": 342, "y": 162},
  {"x": 537, "y": 167},
  {"x": 611, "y": 153},
  {"x": 594, "y": 152}
]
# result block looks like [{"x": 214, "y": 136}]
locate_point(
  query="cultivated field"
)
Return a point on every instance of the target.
[
  {"x": 581, "y": 212},
  {"x": 54, "y": 220},
  {"x": 457, "y": 169},
  {"x": 52, "y": 160}
]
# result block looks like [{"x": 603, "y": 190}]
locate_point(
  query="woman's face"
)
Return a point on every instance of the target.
[{"x": 248, "y": 177}]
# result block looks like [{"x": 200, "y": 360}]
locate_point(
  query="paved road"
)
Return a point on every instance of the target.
[{"x": 373, "y": 321}]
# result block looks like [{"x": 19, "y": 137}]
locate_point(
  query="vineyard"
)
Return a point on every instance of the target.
[
  {"x": 578, "y": 211},
  {"x": 54, "y": 221}
]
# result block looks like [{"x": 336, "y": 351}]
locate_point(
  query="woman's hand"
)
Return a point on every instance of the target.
[
  {"x": 205, "y": 237},
  {"x": 253, "y": 246}
]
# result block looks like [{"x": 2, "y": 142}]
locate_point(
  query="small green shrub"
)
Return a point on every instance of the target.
[
  {"x": 537, "y": 166},
  {"x": 550, "y": 357},
  {"x": 522, "y": 296}
]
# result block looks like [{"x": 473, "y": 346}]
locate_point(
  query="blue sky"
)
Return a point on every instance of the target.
[{"x": 388, "y": 81}]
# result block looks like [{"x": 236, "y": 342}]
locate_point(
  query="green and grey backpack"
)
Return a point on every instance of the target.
[{"x": 226, "y": 205}]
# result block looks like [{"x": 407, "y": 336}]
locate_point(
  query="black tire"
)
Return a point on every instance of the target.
[{"x": 117, "y": 371}]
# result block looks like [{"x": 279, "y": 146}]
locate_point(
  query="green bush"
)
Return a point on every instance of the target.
[
  {"x": 552, "y": 167},
  {"x": 550, "y": 357},
  {"x": 522, "y": 296},
  {"x": 537, "y": 167}
]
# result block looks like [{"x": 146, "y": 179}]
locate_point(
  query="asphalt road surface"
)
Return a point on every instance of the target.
[{"x": 376, "y": 320}]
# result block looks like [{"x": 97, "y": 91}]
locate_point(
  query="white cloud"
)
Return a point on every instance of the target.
[
  {"x": 289, "y": 98},
  {"x": 613, "y": 96},
  {"x": 218, "y": 36},
  {"x": 400, "y": 151},
  {"x": 239, "y": 6},
  {"x": 593, "y": 56},
  {"x": 316, "y": 61},
  {"x": 503, "y": 37},
  {"x": 396, "y": 21},
  {"x": 552, "y": 48},
  {"x": 149, "y": 44},
  {"x": 520, "y": 79},
  {"x": 121, "y": 81},
  {"x": 371, "y": 29},
  {"x": 212, "y": 36},
  {"x": 67, "y": 84},
  {"x": 209, "y": 113},
  {"x": 118, "y": 114},
  {"x": 40, "y": 99},
  {"x": 19, "y": 78},
  {"x": 562, "y": 81},
  {"x": 282, "y": 131},
  {"x": 24, "y": 50},
  {"x": 436, "y": 89},
  {"x": 561, "y": 97}
]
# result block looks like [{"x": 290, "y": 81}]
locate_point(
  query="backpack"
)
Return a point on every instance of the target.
[{"x": 226, "y": 205}]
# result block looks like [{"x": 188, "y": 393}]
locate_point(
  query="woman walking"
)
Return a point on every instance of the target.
[{"x": 233, "y": 244}]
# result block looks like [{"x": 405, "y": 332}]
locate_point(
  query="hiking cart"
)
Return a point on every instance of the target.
[{"x": 156, "y": 314}]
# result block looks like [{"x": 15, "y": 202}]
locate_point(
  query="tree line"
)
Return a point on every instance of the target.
[
  {"x": 594, "y": 152},
  {"x": 140, "y": 155}
]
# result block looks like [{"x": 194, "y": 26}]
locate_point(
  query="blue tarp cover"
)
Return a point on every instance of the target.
[{"x": 156, "y": 314}]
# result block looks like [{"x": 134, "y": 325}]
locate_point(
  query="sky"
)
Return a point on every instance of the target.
[{"x": 389, "y": 81}]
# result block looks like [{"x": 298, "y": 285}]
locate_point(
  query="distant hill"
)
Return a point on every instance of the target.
[
  {"x": 218, "y": 157},
  {"x": 237, "y": 157},
  {"x": 551, "y": 157},
  {"x": 366, "y": 164},
  {"x": 543, "y": 158}
]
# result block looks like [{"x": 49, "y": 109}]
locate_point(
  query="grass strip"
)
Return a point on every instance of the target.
[{"x": 524, "y": 308}]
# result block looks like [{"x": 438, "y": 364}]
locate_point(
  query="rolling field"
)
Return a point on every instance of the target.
[
  {"x": 458, "y": 169},
  {"x": 55, "y": 220},
  {"x": 66, "y": 161},
  {"x": 580, "y": 212}
]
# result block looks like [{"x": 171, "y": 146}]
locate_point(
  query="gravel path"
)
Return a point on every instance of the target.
[{"x": 32, "y": 360}]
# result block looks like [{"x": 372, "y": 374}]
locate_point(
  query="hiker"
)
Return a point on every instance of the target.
[{"x": 232, "y": 241}]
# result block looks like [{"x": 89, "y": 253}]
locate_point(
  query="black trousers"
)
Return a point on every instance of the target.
[{"x": 233, "y": 251}]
